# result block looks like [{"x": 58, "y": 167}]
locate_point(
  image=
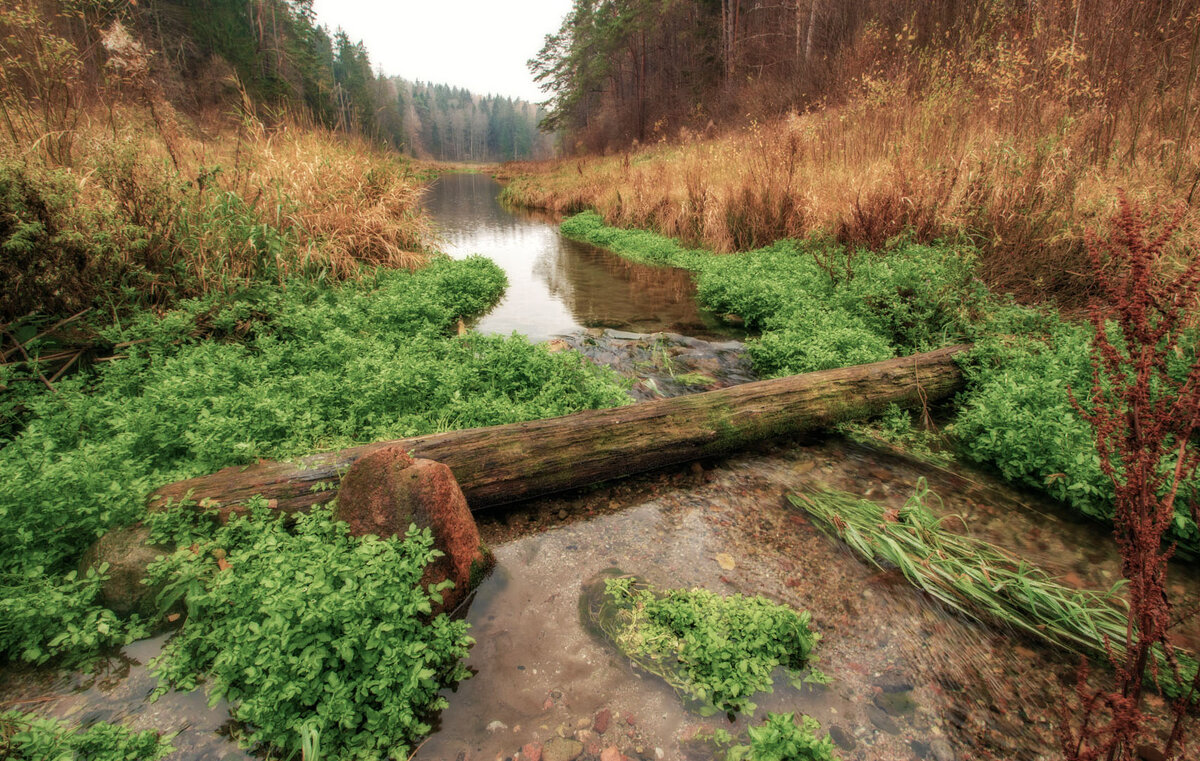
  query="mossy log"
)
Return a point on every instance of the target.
[{"x": 507, "y": 463}]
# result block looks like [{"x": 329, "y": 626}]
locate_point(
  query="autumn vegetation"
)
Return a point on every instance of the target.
[
  {"x": 212, "y": 252},
  {"x": 730, "y": 125}
]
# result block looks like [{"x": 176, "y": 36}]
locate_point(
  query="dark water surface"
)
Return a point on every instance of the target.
[{"x": 557, "y": 285}]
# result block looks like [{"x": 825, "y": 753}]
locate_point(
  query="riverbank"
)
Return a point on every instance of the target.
[
  {"x": 819, "y": 305},
  {"x": 282, "y": 370}
]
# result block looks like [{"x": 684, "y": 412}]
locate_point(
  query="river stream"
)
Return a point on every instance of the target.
[{"x": 909, "y": 680}]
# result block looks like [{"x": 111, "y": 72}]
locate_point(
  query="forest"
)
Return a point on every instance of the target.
[{"x": 802, "y": 380}]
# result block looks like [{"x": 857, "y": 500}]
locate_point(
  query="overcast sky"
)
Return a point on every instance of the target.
[{"x": 481, "y": 45}]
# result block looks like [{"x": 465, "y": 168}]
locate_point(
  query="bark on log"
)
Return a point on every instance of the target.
[{"x": 507, "y": 463}]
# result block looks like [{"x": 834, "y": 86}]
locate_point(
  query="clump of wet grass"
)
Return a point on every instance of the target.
[{"x": 978, "y": 579}]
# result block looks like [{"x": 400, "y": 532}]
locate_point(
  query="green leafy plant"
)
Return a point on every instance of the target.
[
  {"x": 305, "y": 629},
  {"x": 1017, "y": 416},
  {"x": 267, "y": 372},
  {"x": 27, "y": 737},
  {"x": 911, "y": 298},
  {"x": 716, "y": 651},
  {"x": 896, "y": 428},
  {"x": 779, "y": 738}
]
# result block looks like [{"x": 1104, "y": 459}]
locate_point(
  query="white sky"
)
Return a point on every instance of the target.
[{"x": 481, "y": 45}]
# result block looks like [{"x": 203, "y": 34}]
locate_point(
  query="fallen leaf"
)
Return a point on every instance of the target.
[{"x": 725, "y": 560}]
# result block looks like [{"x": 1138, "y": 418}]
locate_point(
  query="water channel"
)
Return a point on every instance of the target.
[{"x": 909, "y": 680}]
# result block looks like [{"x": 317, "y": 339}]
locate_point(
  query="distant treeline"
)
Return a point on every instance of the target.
[
  {"x": 637, "y": 70},
  {"x": 271, "y": 55},
  {"x": 452, "y": 124}
]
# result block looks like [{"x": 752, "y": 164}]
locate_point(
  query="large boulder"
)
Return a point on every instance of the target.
[
  {"x": 386, "y": 491},
  {"x": 127, "y": 552}
]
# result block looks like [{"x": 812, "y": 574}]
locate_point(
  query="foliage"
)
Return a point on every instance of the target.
[
  {"x": 453, "y": 124},
  {"x": 26, "y": 737},
  {"x": 976, "y": 578},
  {"x": 308, "y": 627},
  {"x": 1144, "y": 417},
  {"x": 818, "y": 305},
  {"x": 780, "y": 738},
  {"x": 43, "y": 262},
  {"x": 134, "y": 227},
  {"x": 45, "y": 616},
  {"x": 895, "y": 427},
  {"x": 1016, "y": 416},
  {"x": 269, "y": 372},
  {"x": 717, "y": 651}
]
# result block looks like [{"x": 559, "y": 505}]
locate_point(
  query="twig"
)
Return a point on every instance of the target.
[
  {"x": 66, "y": 367},
  {"x": 27, "y": 701},
  {"x": 21, "y": 348},
  {"x": 51, "y": 329}
]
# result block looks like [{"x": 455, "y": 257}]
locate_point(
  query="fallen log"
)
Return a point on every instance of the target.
[{"x": 507, "y": 463}]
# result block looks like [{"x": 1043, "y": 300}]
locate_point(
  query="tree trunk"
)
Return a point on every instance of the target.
[{"x": 507, "y": 463}]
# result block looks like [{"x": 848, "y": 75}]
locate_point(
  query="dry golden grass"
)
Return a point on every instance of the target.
[
  {"x": 196, "y": 210},
  {"x": 352, "y": 204},
  {"x": 945, "y": 163}
]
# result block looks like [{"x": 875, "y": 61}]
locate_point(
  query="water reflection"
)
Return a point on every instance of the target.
[{"x": 557, "y": 285}]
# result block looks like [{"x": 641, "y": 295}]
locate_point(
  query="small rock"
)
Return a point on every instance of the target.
[
  {"x": 941, "y": 750},
  {"x": 496, "y": 726},
  {"x": 583, "y": 722},
  {"x": 892, "y": 680},
  {"x": 896, "y": 703},
  {"x": 842, "y": 738},
  {"x": 726, "y": 561},
  {"x": 562, "y": 515},
  {"x": 585, "y": 736},
  {"x": 531, "y": 752},
  {"x": 1025, "y": 653},
  {"x": 1150, "y": 753},
  {"x": 610, "y": 754},
  {"x": 659, "y": 753},
  {"x": 600, "y": 725},
  {"x": 919, "y": 749},
  {"x": 128, "y": 553},
  {"x": 882, "y": 720},
  {"x": 561, "y": 749}
]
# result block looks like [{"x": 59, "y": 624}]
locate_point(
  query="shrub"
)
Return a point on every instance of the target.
[
  {"x": 44, "y": 263},
  {"x": 308, "y": 629},
  {"x": 1016, "y": 416}
]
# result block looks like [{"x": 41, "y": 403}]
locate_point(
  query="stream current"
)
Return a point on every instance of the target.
[{"x": 909, "y": 681}]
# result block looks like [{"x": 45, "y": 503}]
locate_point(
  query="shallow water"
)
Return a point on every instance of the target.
[
  {"x": 557, "y": 285},
  {"x": 909, "y": 680}
]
